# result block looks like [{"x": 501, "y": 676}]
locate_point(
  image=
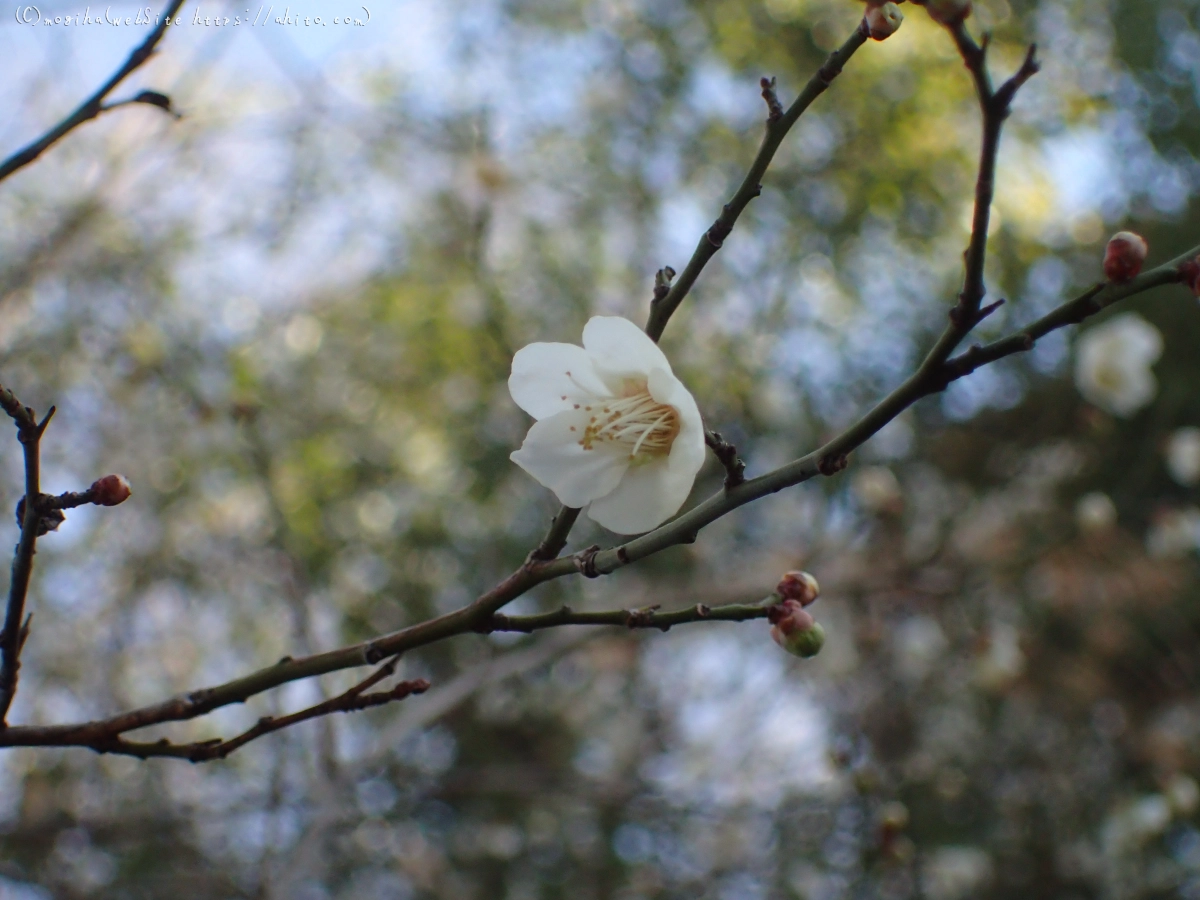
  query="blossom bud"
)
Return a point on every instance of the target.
[
  {"x": 798, "y": 586},
  {"x": 806, "y": 643},
  {"x": 794, "y": 629},
  {"x": 110, "y": 490},
  {"x": 789, "y": 616},
  {"x": 948, "y": 12},
  {"x": 1124, "y": 255},
  {"x": 883, "y": 20}
]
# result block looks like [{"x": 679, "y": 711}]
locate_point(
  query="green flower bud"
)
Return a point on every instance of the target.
[{"x": 806, "y": 643}]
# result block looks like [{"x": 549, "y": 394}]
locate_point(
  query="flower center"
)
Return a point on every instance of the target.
[{"x": 635, "y": 421}]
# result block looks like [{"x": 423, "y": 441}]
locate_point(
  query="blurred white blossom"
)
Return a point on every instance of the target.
[
  {"x": 1174, "y": 532},
  {"x": 1136, "y": 823},
  {"x": 953, "y": 872},
  {"x": 1183, "y": 456},
  {"x": 918, "y": 643},
  {"x": 1095, "y": 512},
  {"x": 1002, "y": 661},
  {"x": 1183, "y": 794},
  {"x": 876, "y": 489},
  {"x": 1112, "y": 365}
]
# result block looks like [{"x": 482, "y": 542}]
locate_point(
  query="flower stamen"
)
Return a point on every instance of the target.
[{"x": 635, "y": 420}]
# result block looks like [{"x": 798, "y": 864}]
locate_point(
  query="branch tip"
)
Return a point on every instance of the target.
[
  {"x": 774, "y": 107},
  {"x": 662, "y": 283},
  {"x": 726, "y": 453},
  {"x": 94, "y": 105}
]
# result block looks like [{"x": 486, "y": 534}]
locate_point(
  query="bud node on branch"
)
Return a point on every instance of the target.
[
  {"x": 662, "y": 283},
  {"x": 585, "y": 561},
  {"x": 774, "y": 107},
  {"x": 726, "y": 453},
  {"x": 832, "y": 464}
]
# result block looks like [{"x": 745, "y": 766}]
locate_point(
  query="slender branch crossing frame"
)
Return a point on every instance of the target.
[{"x": 94, "y": 105}]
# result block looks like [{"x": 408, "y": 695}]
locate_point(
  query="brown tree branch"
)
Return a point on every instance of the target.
[
  {"x": 727, "y": 455},
  {"x": 995, "y": 106},
  {"x": 779, "y": 123},
  {"x": 556, "y": 538},
  {"x": 16, "y": 624},
  {"x": 94, "y": 105},
  {"x": 105, "y": 737},
  {"x": 647, "y": 617}
]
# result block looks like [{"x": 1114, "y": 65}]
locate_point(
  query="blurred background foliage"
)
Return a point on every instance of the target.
[{"x": 288, "y": 318}]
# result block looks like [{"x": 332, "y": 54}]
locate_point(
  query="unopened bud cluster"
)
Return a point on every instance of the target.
[
  {"x": 883, "y": 19},
  {"x": 792, "y": 626},
  {"x": 1124, "y": 255}
]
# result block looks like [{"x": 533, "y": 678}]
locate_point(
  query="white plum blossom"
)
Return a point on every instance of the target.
[
  {"x": 1183, "y": 456},
  {"x": 1095, "y": 513},
  {"x": 616, "y": 431},
  {"x": 952, "y": 873},
  {"x": 1112, "y": 366},
  {"x": 1174, "y": 533},
  {"x": 1183, "y": 795},
  {"x": 877, "y": 490}
]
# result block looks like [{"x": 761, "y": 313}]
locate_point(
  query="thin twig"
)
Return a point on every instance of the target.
[
  {"x": 727, "y": 455},
  {"x": 995, "y": 106},
  {"x": 556, "y": 537},
  {"x": 626, "y": 618},
  {"x": 16, "y": 623},
  {"x": 107, "y": 739},
  {"x": 778, "y": 125},
  {"x": 94, "y": 105}
]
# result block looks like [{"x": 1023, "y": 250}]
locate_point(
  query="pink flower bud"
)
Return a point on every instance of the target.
[
  {"x": 798, "y": 586},
  {"x": 883, "y": 20},
  {"x": 794, "y": 629},
  {"x": 790, "y": 616},
  {"x": 1124, "y": 255},
  {"x": 110, "y": 490},
  {"x": 947, "y": 12}
]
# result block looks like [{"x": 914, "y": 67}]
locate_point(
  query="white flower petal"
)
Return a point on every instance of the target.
[
  {"x": 552, "y": 454},
  {"x": 617, "y": 345},
  {"x": 647, "y": 496},
  {"x": 547, "y": 378},
  {"x": 687, "y": 451}
]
